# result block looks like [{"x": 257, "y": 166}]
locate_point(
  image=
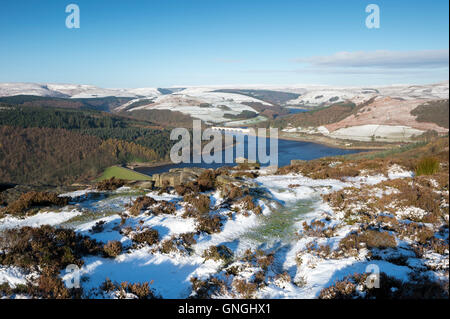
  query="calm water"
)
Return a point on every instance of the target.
[
  {"x": 287, "y": 151},
  {"x": 296, "y": 111}
]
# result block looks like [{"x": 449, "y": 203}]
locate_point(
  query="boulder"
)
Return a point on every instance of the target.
[
  {"x": 222, "y": 180},
  {"x": 170, "y": 179},
  {"x": 186, "y": 177},
  {"x": 197, "y": 171},
  {"x": 143, "y": 184},
  {"x": 177, "y": 176}
]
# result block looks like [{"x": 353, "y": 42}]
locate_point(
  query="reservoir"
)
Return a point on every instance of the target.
[
  {"x": 293, "y": 110},
  {"x": 287, "y": 151}
]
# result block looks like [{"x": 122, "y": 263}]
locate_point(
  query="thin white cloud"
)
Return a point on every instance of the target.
[
  {"x": 350, "y": 71},
  {"x": 228, "y": 61},
  {"x": 381, "y": 59}
]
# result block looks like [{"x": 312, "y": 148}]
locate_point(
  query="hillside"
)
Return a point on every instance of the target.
[
  {"x": 208, "y": 106},
  {"x": 393, "y": 112},
  {"x": 218, "y": 104},
  {"x": 60, "y": 146},
  {"x": 327, "y": 95},
  {"x": 99, "y": 104},
  {"x": 71, "y": 90},
  {"x": 390, "y": 114},
  {"x": 382, "y": 119},
  {"x": 318, "y": 229}
]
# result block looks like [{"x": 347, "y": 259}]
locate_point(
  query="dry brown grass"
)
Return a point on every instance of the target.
[
  {"x": 419, "y": 287},
  {"x": 140, "y": 290},
  {"x": 206, "y": 180},
  {"x": 219, "y": 253},
  {"x": 113, "y": 248},
  {"x": 320, "y": 169},
  {"x": 50, "y": 286},
  {"x": 189, "y": 188},
  {"x": 163, "y": 207},
  {"x": 141, "y": 203},
  {"x": 246, "y": 290},
  {"x": 197, "y": 205},
  {"x": 362, "y": 205},
  {"x": 148, "y": 236},
  {"x": 204, "y": 289},
  {"x": 45, "y": 247},
  {"x": 378, "y": 239},
  {"x": 35, "y": 199},
  {"x": 109, "y": 184},
  {"x": 168, "y": 246},
  {"x": 415, "y": 231},
  {"x": 344, "y": 289},
  {"x": 209, "y": 225},
  {"x": 353, "y": 242},
  {"x": 316, "y": 228},
  {"x": 265, "y": 261},
  {"x": 259, "y": 278},
  {"x": 372, "y": 162},
  {"x": 188, "y": 239},
  {"x": 47, "y": 286},
  {"x": 232, "y": 192},
  {"x": 323, "y": 251},
  {"x": 177, "y": 244},
  {"x": 248, "y": 204},
  {"x": 416, "y": 194}
]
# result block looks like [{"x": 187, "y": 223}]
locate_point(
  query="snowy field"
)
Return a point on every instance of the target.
[
  {"x": 288, "y": 201},
  {"x": 372, "y": 132},
  {"x": 310, "y": 94}
]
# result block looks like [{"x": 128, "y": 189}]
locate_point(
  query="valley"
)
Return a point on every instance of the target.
[
  {"x": 362, "y": 184},
  {"x": 306, "y": 231},
  {"x": 378, "y": 114}
]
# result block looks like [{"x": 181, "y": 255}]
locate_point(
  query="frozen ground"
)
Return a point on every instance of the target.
[
  {"x": 311, "y": 94},
  {"x": 373, "y": 132},
  {"x": 291, "y": 200},
  {"x": 199, "y": 103},
  {"x": 325, "y": 95}
]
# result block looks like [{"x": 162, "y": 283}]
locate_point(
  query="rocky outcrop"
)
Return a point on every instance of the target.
[
  {"x": 177, "y": 176},
  {"x": 223, "y": 180},
  {"x": 142, "y": 184}
]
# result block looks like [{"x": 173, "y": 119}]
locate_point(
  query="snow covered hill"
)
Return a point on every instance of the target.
[
  {"x": 212, "y": 105},
  {"x": 71, "y": 90},
  {"x": 326, "y": 95},
  {"x": 308, "y": 235},
  {"x": 310, "y": 94},
  {"x": 200, "y": 103}
]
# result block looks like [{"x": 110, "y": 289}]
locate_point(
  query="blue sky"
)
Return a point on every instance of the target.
[{"x": 162, "y": 43}]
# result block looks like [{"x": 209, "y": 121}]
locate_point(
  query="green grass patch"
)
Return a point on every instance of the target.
[
  {"x": 384, "y": 153},
  {"x": 280, "y": 224},
  {"x": 123, "y": 173},
  {"x": 86, "y": 217},
  {"x": 427, "y": 166}
]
